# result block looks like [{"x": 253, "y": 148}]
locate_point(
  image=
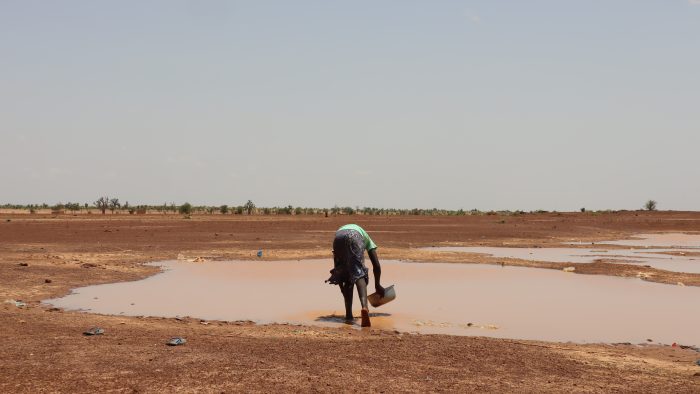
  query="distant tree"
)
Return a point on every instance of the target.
[
  {"x": 185, "y": 208},
  {"x": 73, "y": 206},
  {"x": 249, "y": 207},
  {"x": 102, "y": 204},
  {"x": 650, "y": 205},
  {"x": 239, "y": 210},
  {"x": 126, "y": 206},
  {"x": 114, "y": 204},
  {"x": 223, "y": 209}
]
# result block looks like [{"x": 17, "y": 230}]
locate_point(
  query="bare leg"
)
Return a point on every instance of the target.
[
  {"x": 346, "y": 289},
  {"x": 362, "y": 292}
]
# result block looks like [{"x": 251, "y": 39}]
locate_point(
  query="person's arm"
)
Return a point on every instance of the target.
[{"x": 377, "y": 270}]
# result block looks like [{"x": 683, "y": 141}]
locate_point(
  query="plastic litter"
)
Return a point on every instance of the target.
[
  {"x": 18, "y": 304},
  {"x": 176, "y": 341},
  {"x": 94, "y": 331}
]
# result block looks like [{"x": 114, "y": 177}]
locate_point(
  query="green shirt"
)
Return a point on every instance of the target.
[{"x": 369, "y": 244}]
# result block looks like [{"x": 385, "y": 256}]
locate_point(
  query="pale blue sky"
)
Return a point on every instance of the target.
[{"x": 454, "y": 104}]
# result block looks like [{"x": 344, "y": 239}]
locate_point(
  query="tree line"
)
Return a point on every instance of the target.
[{"x": 114, "y": 206}]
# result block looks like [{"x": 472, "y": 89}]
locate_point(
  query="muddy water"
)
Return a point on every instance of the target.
[
  {"x": 646, "y": 249},
  {"x": 667, "y": 240},
  {"x": 460, "y": 299},
  {"x": 656, "y": 258}
]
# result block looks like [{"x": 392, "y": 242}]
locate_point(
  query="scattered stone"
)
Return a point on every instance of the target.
[
  {"x": 89, "y": 265},
  {"x": 681, "y": 284},
  {"x": 199, "y": 260},
  {"x": 650, "y": 340},
  {"x": 47, "y": 281},
  {"x": 23, "y": 264},
  {"x": 569, "y": 269}
]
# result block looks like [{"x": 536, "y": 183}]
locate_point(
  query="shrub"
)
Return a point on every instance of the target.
[
  {"x": 223, "y": 209},
  {"x": 185, "y": 208}
]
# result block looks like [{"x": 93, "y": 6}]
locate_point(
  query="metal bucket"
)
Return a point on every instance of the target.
[{"x": 389, "y": 294}]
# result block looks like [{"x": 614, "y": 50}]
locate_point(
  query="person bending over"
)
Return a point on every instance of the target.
[{"x": 349, "y": 268}]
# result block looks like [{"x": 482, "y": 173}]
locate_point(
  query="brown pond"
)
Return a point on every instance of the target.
[{"x": 458, "y": 299}]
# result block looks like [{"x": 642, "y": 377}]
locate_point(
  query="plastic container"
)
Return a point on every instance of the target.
[{"x": 389, "y": 295}]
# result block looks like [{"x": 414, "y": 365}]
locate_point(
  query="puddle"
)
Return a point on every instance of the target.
[
  {"x": 641, "y": 252},
  {"x": 458, "y": 299},
  {"x": 651, "y": 257},
  {"x": 667, "y": 240}
]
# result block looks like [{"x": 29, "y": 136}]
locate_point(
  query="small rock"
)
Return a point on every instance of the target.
[
  {"x": 650, "y": 340},
  {"x": 47, "y": 281},
  {"x": 569, "y": 269},
  {"x": 23, "y": 264}
]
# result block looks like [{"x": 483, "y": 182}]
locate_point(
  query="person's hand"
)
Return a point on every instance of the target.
[{"x": 380, "y": 289}]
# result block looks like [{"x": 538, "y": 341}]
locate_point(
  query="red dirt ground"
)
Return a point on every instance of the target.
[{"x": 43, "y": 349}]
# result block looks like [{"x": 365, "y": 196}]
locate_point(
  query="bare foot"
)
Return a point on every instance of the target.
[{"x": 365, "y": 318}]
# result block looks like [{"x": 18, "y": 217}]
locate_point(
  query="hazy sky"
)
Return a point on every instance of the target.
[{"x": 455, "y": 104}]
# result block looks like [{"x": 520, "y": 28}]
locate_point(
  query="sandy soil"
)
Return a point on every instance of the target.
[{"x": 43, "y": 350}]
